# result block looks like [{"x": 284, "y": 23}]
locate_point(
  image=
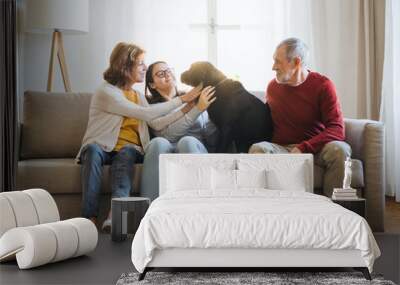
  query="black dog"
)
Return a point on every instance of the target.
[{"x": 238, "y": 115}]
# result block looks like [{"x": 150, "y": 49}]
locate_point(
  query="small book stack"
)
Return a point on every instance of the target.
[{"x": 344, "y": 194}]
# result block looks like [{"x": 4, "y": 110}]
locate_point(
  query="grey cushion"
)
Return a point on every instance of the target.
[
  {"x": 53, "y": 124},
  {"x": 354, "y": 136},
  {"x": 61, "y": 176}
]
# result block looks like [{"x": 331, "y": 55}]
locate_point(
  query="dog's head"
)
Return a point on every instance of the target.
[{"x": 202, "y": 72}]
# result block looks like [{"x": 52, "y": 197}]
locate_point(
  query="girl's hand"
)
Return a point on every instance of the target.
[
  {"x": 206, "y": 98},
  {"x": 189, "y": 106},
  {"x": 192, "y": 94}
]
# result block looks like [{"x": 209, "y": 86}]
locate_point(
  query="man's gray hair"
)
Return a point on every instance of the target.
[{"x": 295, "y": 48}]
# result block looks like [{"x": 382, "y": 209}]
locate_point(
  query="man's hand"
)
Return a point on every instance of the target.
[{"x": 295, "y": 150}]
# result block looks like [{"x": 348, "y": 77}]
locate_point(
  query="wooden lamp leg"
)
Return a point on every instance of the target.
[
  {"x": 54, "y": 49},
  {"x": 57, "y": 49},
  {"x": 63, "y": 65}
]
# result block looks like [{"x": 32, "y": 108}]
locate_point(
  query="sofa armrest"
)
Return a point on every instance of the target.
[{"x": 367, "y": 140}]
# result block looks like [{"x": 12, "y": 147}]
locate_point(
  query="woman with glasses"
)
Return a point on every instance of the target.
[
  {"x": 117, "y": 132},
  {"x": 184, "y": 130}
]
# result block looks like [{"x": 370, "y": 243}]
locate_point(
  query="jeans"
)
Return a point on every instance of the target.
[
  {"x": 93, "y": 158},
  {"x": 150, "y": 175},
  {"x": 331, "y": 157}
]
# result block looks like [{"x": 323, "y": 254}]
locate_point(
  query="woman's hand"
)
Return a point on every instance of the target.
[
  {"x": 192, "y": 94},
  {"x": 206, "y": 98},
  {"x": 189, "y": 106}
]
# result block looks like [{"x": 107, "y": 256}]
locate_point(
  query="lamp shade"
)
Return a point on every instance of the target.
[{"x": 66, "y": 16}]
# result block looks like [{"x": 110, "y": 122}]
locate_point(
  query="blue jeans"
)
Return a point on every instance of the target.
[
  {"x": 93, "y": 158},
  {"x": 150, "y": 174}
]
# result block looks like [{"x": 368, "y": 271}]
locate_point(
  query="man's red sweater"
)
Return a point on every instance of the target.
[{"x": 308, "y": 114}]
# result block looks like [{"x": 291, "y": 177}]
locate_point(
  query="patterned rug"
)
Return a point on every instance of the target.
[{"x": 242, "y": 278}]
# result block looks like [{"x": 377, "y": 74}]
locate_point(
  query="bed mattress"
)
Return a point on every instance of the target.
[{"x": 250, "y": 219}]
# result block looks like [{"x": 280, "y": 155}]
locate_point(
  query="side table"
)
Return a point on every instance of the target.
[
  {"x": 357, "y": 205},
  {"x": 120, "y": 208}
]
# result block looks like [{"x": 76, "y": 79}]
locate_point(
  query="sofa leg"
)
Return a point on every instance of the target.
[{"x": 364, "y": 271}]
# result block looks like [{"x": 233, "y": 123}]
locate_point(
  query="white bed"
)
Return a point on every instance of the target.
[{"x": 219, "y": 210}]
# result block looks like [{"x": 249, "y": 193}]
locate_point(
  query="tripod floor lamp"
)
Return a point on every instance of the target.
[{"x": 59, "y": 17}]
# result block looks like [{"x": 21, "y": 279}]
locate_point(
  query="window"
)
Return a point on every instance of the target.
[{"x": 237, "y": 36}]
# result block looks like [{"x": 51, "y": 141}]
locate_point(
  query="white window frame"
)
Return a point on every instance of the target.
[{"x": 212, "y": 28}]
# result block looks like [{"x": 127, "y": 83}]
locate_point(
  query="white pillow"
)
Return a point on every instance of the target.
[
  {"x": 251, "y": 178},
  {"x": 227, "y": 179},
  {"x": 223, "y": 179},
  {"x": 293, "y": 180},
  {"x": 188, "y": 177},
  {"x": 281, "y": 174}
]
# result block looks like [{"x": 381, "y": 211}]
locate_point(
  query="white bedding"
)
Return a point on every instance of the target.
[{"x": 251, "y": 218}]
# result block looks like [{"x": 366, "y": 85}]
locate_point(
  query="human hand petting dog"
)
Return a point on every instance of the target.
[
  {"x": 206, "y": 98},
  {"x": 189, "y": 106},
  {"x": 295, "y": 150},
  {"x": 192, "y": 94}
]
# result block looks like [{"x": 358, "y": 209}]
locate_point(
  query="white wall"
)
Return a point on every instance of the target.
[{"x": 87, "y": 55}]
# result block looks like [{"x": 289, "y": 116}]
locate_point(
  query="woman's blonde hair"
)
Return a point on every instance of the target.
[{"x": 122, "y": 59}]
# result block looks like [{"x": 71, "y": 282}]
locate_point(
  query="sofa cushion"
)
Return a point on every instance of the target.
[
  {"x": 61, "y": 176},
  {"x": 53, "y": 124}
]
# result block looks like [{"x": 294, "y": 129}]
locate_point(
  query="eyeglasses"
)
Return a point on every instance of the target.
[{"x": 163, "y": 73}]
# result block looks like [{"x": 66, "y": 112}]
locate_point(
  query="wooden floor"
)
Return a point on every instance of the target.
[
  {"x": 110, "y": 259},
  {"x": 392, "y": 216}
]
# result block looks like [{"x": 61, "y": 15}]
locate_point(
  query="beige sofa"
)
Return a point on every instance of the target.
[{"x": 54, "y": 123}]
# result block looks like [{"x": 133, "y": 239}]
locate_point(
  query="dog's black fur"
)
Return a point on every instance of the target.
[{"x": 238, "y": 115}]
